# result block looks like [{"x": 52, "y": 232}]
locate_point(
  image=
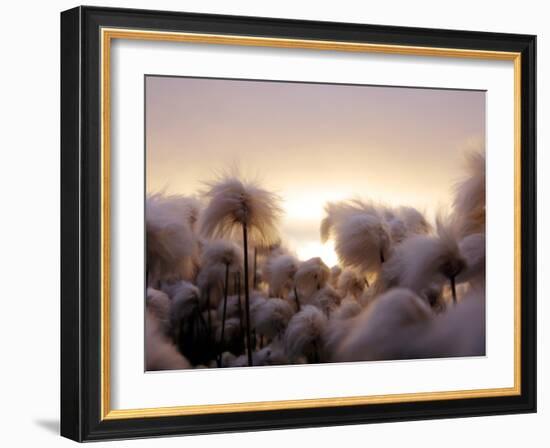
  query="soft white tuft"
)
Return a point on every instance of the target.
[
  {"x": 271, "y": 317},
  {"x": 304, "y": 334},
  {"x": 362, "y": 242},
  {"x": 160, "y": 353},
  {"x": 469, "y": 200},
  {"x": 311, "y": 276},
  {"x": 232, "y": 203},
  {"x": 351, "y": 284},
  {"x": 170, "y": 239},
  {"x": 279, "y": 274},
  {"x": 385, "y": 329}
]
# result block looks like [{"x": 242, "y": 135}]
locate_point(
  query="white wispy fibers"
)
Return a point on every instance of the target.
[
  {"x": 160, "y": 352},
  {"x": 158, "y": 304},
  {"x": 469, "y": 200},
  {"x": 211, "y": 281},
  {"x": 349, "y": 307},
  {"x": 362, "y": 242},
  {"x": 472, "y": 248},
  {"x": 220, "y": 261},
  {"x": 272, "y": 355},
  {"x": 170, "y": 239},
  {"x": 335, "y": 272},
  {"x": 340, "y": 211},
  {"x": 271, "y": 317},
  {"x": 279, "y": 274},
  {"x": 326, "y": 299},
  {"x": 222, "y": 252},
  {"x": 458, "y": 332},
  {"x": 421, "y": 260},
  {"x": 236, "y": 206},
  {"x": 304, "y": 335},
  {"x": 414, "y": 220},
  {"x": 234, "y": 203},
  {"x": 185, "y": 301},
  {"x": 311, "y": 276},
  {"x": 350, "y": 284},
  {"x": 385, "y": 329}
]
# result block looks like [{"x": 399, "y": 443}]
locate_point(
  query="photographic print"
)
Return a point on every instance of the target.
[{"x": 299, "y": 223}]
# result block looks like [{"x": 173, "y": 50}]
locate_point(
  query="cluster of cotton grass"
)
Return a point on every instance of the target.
[{"x": 224, "y": 292}]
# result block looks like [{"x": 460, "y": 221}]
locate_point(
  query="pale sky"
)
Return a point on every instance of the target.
[{"x": 311, "y": 143}]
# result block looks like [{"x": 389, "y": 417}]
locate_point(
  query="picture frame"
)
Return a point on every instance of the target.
[{"x": 86, "y": 37}]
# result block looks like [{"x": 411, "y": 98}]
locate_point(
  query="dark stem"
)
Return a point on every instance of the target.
[
  {"x": 225, "y": 292},
  {"x": 367, "y": 282},
  {"x": 254, "y": 274},
  {"x": 239, "y": 307},
  {"x": 247, "y": 295},
  {"x": 208, "y": 310},
  {"x": 298, "y": 307},
  {"x": 453, "y": 288}
]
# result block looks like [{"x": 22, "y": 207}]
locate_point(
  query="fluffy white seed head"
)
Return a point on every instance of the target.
[
  {"x": 421, "y": 260},
  {"x": 362, "y": 242},
  {"x": 160, "y": 353},
  {"x": 311, "y": 276},
  {"x": 279, "y": 274},
  {"x": 385, "y": 328},
  {"x": 222, "y": 252},
  {"x": 326, "y": 299},
  {"x": 351, "y": 284},
  {"x": 469, "y": 200},
  {"x": 271, "y": 317},
  {"x": 232, "y": 203},
  {"x": 158, "y": 303},
  {"x": 336, "y": 212},
  {"x": 335, "y": 272},
  {"x": 170, "y": 239},
  {"x": 185, "y": 302},
  {"x": 349, "y": 307},
  {"x": 472, "y": 248},
  {"x": 304, "y": 334}
]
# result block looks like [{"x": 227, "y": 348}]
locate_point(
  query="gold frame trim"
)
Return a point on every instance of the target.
[{"x": 107, "y": 35}]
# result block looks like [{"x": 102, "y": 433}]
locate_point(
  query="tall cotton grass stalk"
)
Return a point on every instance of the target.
[
  {"x": 469, "y": 200},
  {"x": 233, "y": 204}
]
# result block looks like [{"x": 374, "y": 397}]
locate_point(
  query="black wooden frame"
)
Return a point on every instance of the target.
[{"x": 80, "y": 223}]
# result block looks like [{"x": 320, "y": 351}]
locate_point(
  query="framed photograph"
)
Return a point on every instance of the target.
[{"x": 272, "y": 223}]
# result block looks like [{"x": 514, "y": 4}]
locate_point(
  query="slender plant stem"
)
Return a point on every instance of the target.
[
  {"x": 297, "y": 299},
  {"x": 208, "y": 310},
  {"x": 239, "y": 307},
  {"x": 247, "y": 295},
  {"x": 453, "y": 288},
  {"x": 254, "y": 274},
  {"x": 225, "y": 292}
]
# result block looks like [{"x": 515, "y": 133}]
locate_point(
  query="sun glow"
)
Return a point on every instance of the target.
[{"x": 315, "y": 249}]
